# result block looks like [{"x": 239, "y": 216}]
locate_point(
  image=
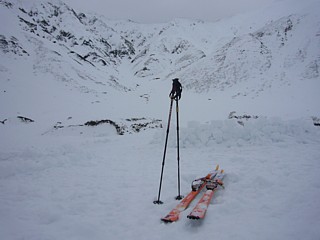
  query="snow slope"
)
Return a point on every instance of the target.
[{"x": 84, "y": 107}]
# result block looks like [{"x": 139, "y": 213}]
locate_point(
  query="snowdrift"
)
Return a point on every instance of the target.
[{"x": 233, "y": 132}]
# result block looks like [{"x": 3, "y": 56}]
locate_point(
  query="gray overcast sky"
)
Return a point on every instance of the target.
[{"x": 154, "y": 11}]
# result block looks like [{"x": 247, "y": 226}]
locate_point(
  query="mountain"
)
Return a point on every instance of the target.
[{"x": 248, "y": 63}]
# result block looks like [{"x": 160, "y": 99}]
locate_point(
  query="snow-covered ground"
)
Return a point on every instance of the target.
[
  {"x": 89, "y": 183},
  {"x": 63, "y": 179}
]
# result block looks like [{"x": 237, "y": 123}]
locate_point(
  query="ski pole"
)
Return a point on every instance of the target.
[
  {"x": 179, "y": 197},
  {"x": 164, "y": 154}
]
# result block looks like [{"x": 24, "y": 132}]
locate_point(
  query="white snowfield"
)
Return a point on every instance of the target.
[
  {"x": 83, "y": 117},
  {"x": 83, "y": 186}
]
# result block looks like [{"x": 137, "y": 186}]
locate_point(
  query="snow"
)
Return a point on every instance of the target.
[
  {"x": 80, "y": 186},
  {"x": 63, "y": 179}
]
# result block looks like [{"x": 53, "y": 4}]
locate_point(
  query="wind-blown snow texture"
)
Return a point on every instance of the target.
[{"x": 83, "y": 111}]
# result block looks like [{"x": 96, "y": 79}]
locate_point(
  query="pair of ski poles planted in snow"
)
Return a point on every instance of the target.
[{"x": 179, "y": 197}]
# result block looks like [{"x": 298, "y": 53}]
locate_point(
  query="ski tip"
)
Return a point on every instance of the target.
[
  {"x": 170, "y": 218},
  {"x": 222, "y": 171},
  {"x": 217, "y": 167}
]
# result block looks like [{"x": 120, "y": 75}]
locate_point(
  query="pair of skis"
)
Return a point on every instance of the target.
[{"x": 212, "y": 181}]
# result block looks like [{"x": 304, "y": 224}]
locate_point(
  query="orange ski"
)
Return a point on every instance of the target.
[
  {"x": 174, "y": 214},
  {"x": 200, "y": 209}
]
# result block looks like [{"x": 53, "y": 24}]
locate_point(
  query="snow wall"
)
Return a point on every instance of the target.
[{"x": 234, "y": 132}]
